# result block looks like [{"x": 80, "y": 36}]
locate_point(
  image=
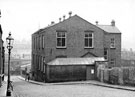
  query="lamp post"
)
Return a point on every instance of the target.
[{"x": 9, "y": 41}]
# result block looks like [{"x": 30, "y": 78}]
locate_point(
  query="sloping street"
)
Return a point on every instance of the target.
[{"x": 27, "y": 89}]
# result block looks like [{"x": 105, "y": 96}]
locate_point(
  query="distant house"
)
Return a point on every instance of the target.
[
  {"x": 127, "y": 58},
  {"x": 74, "y": 37}
]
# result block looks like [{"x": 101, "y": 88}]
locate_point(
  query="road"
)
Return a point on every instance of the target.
[{"x": 26, "y": 89}]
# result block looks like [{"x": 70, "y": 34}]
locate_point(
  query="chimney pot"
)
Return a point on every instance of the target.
[
  {"x": 59, "y": 19},
  {"x": 96, "y": 22},
  {"x": 64, "y": 17},
  {"x": 52, "y": 22},
  {"x": 113, "y": 23},
  {"x": 70, "y": 13}
]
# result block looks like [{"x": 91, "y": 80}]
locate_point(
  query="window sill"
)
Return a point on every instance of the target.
[
  {"x": 88, "y": 47},
  {"x": 61, "y": 47},
  {"x": 112, "y": 48}
]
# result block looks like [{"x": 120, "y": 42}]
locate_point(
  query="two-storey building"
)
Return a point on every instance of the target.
[{"x": 74, "y": 37}]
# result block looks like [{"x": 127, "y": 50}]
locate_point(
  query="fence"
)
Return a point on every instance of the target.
[{"x": 117, "y": 75}]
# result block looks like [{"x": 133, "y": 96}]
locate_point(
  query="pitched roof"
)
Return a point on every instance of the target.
[
  {"x": 106, "y": 28},
  {"x": 75, "y": 61},
  {"x": 109, "y": 28},
  {"x": 40, "y": 30},
  {"x": 51, "y": 25},
  {"x": 60, "y": 22}
]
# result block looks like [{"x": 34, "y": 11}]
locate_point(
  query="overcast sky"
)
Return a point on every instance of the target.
[{"x": 24, "y": 17}]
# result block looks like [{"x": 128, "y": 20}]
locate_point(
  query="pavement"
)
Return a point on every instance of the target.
[
  {"x": 91, "y": 82},
  {"x": 3, "y": 89}
]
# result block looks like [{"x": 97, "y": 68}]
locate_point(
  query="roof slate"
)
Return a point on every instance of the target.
[
  {"x": 106, "y": 28},
  {"x": 75, "y": 61},
  {"x": 109, "y": 28}
]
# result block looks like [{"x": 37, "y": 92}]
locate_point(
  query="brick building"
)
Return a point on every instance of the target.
[
  {"x": 1, "y": 56},
  {"x": 74, "y": 37}
]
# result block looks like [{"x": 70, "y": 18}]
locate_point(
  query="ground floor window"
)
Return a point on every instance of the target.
[{"x": 92, "y": 71}]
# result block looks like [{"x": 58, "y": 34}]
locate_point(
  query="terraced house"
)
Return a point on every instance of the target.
[{"x": 69, "y": 41}]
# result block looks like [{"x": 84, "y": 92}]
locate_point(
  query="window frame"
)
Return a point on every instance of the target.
[
  {"x": 44, "y": 66},
  {"x": 39, "y": 62},
  {"x": 36, "y": 43},
  {"x": 43, "y": 41},
  {"x": 112, "y": 43},
  {"x": 33, "y": 58},
  {"x": 113, "y": 62},
  {"x": 42, "y": 69},
  {"x": 33, "y": 42},
  {"x": 89, "y": 32},
  {"x": 61, "y": 38},
  {"x": 40, "y": 41}
]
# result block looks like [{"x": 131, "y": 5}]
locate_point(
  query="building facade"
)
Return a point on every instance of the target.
[
  {"x": 1, "y": 56},
  {"x": 72, "y": 38}
]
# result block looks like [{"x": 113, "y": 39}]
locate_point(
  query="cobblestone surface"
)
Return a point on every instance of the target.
[
  {"x": 26, "y": 89},
  {"x": 3, "y": 89}
]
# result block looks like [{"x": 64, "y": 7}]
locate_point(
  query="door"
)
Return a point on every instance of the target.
[{"x": 90, "y": 72}]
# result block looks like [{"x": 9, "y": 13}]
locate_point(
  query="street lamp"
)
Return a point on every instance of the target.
[{"x": 9, "y": 41}]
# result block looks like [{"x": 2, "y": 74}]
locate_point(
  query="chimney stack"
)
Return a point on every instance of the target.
[
  {"x": 70, "y": 13},
  {"x": 96, "y": 22},
  {"x": 52, "y": 22},
  {"x": 59, "y": 19},
  {"x": 64, "y": 17},
  {"x": 113, "y": 23}
]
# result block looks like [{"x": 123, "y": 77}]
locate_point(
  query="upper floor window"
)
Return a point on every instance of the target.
[
  {"x": 112, "y": 45},
  {"x": 33, "y": 59},
  {"x": 61, "y": 39},
  {"x": 43, "y": 43},
  {"x": 37, "y": 43},
  {"x": 33, "y": 42},
  {"x": 88, "y": 40},
  {"x": 40, "y": 42}
]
